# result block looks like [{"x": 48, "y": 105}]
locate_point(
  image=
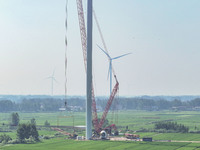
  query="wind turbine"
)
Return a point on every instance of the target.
[
  {"x": 52, "y": 80},
  {"x": 110, "y": 65}
]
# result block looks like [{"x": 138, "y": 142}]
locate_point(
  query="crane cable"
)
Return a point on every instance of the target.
[
  {"x": 102, "y": 38},
  {"x": 66, "y": 43}
]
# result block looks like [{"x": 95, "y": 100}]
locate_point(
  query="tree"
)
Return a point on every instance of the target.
[
  {"x": 21, "y": 132},
  {"x": 14, "y": 119},
  {"x": 34, "y": 132},
  {"x": 46, "y": 124},
  {"x": 6, "y": 105},
  {"x": 27, "y": 130},
  {"x": 176, "y": 103},
  {"x": 171, "y": 126},
  {"x": 195, "y": 102},
  {"x": 33, "y": 121}
]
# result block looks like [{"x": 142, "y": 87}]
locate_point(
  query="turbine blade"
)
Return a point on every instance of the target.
[
  {"x": 104, "y": 52},
  {"x": 121, "y": 56},
  {"x": 48, "y": 78},
  {"x": 55, "y": 80},
  {"x": 53, "y": 72},
  {"x": 109, "y": 70}
]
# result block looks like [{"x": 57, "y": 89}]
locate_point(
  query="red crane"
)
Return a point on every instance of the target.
[
  {"x": 97, "y": 125},
  {"x": 112, "y": 96}
]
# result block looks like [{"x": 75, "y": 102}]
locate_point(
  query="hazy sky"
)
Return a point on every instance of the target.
[{"x": 163, "y": 36}]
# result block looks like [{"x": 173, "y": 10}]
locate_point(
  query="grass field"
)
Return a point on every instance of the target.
[
  {"x": 62, "y": 144},
  {"x": 135, "y": 120}
]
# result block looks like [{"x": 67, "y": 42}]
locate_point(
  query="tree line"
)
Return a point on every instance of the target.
[
  {"x": 174, "y": 126},
  {"x": 53, "y": 104}
]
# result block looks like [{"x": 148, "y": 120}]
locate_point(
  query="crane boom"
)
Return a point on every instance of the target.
[
  {"x": 112, "y": 96},
  {"x": 82, "y": 30}
]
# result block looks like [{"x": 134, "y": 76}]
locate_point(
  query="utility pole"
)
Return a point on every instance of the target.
[{"x": 89, "y": 72}]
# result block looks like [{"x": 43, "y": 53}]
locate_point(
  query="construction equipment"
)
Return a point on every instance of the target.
[
  {"x": 103, "y": 135},
  {"x": 131, "y": 136},
  {"x": 109, "y": 128},
  {"x": 97, "y": 125},
  {"x": 114, "y": 91},
  {"x": 71, "y": 135}
]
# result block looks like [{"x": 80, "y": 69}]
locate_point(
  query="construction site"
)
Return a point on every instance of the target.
[
  {"x": 94, "y": 122},
  {"x": 69, "y": 81}
]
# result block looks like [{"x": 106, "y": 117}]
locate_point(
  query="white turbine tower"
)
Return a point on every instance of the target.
[
  {"x": 110, "y": 65},
  {"x": 52, "y": 81}
]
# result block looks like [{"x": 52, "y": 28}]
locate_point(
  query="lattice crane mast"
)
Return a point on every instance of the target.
[{"x": 109, "y": 103}]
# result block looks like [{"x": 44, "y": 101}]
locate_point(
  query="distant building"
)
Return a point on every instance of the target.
[
  {"x": 76, "y": 108},
  {"x": 62, "y": 109},
  {"x": 181, "y": 108},
  {"x": 147, "y": 139},
  {"x": 196, "y": 108}
]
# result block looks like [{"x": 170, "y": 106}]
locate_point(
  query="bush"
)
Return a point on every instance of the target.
[
  {"x": 33, "y": 121},
  {"x": 15, "y": 141},
  {"x": 46, "y": 137},
  {"x": 58, "y": 134},
  {"x": 30, "y": 140},
  {"x": 46, "y": 124},
  {"x": 5, "y": 138}
]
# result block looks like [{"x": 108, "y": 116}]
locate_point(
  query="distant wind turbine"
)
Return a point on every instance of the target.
[
  {"x": 52, "y": 80},
  {"x": 110, "y": 65}
]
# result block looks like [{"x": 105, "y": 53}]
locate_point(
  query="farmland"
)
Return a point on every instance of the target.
[
  {"x": 100, "y": 145},
  {"x": 134, "y": 120}
]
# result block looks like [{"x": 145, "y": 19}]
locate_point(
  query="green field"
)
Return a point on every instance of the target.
[
  {"x": 62, "y": 144},
  {"x": 135, "y": 120}
]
